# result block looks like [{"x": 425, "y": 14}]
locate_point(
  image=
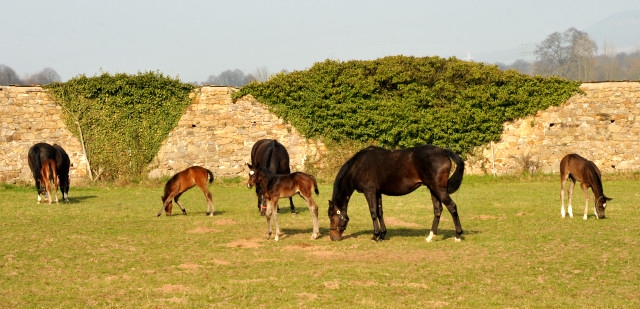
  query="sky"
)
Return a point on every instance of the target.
[{"x": 192, "y": 39}]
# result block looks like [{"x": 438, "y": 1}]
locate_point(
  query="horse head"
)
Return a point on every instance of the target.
[
  {"x": 339, "y": 220},
  {"x": 255, "y": 176},
  {"x": 168, "y": 208},
  {"x": 601, "y": 205}
]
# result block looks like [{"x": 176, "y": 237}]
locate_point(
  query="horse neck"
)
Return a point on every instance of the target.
[
  {"x": 596, "y": 187},
  {"x": 342, "y": 192}
]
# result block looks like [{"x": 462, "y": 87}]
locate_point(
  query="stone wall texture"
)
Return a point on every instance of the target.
[
  {"x": 28, "y": 116},
  {"x": 218, "y": 134},
  {"x": 602, "y": 125}
]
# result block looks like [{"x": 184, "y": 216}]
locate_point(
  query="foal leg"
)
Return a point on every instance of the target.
[
  {"x": 175, "y": 199},
  {"x": 274, "y": 205},
  {"x": 165, "y": 204},
  {"x": 267, "y": 215},
  {"x": 563, "y": 181},
  {"x": 207, "y": 195},
  {"x": 572, "y": 184},
  {"x": 313, "y": 209},
  {"x": 585, "y": 189},
  {"x": 437, "y": 212}
]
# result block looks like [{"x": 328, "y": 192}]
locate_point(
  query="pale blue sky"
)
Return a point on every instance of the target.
[{"x": 194, "y": 39}]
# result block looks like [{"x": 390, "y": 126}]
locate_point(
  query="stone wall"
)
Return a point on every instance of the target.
[
  {"x": 217, "y": 133},
  {"x": 602, "y": 125},
  {"x": 28, "y": 116}
]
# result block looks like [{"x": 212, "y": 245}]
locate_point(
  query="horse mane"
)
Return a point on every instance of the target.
[
  {"x": 344, "y": 169},
  {"x": 594, "y": 176}
]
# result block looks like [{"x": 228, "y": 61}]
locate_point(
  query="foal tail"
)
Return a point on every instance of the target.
[
  {"x": 456, "y": 179},
  {"x": 210, "y": 175}
]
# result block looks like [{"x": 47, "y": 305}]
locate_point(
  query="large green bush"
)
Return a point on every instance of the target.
[
  {"x": 124, "y": 118},
  {"x": 406, "y": 101}
]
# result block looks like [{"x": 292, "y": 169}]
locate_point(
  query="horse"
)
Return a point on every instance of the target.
[
  {"x": 49, "y": 175},
  {"x": 37, "y": 154},
  {"x": 276, "y": 186},
  {"x": 273, "y": 156},
  {"x": 575, "y": 167},
  {"x": 374, "y": 171},
  {"x": 62, "y": 168},
  {"x": 184, "y": 181}
]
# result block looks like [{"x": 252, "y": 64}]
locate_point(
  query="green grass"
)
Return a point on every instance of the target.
[{"x": 107, "y": 249}]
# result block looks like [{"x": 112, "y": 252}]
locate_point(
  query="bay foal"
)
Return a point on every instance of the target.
[
  {"x": 183, "y": 181},
  {"x": 277, "y": 186},
  {"x": 48, "y": 176},
  {"x": 575, "y": 167}
]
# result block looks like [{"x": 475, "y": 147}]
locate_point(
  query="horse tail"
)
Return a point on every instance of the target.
[
  {"x": 269, "y": 154},
  {"x": 315, "y": 185},
  {"x": 456, "y": 179},
  {"x": 210, "y": 175}
]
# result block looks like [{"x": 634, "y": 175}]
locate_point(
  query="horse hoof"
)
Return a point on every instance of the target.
[
  {"x": 294, "y": 213},
  {"x": 314, "y": 236},
  {"x": 585, "y": 217},
  {"x": 457, "y": 239},
  {"x": 276, "y": 238},
  {"x": 430, "y": 237}
]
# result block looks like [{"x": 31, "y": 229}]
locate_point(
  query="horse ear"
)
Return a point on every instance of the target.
[
  {"x": 331, "y": 204},
  {"x": 608, "y": 198},
  {"x": 249, "y": 165}
]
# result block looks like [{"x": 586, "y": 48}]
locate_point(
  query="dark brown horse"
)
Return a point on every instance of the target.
[
  {"x": 273, "y": 156},
  {"x": 48, "y": 179},
  {"x": 575, "y": 167},
  {"x": 40, "y": 152},
  {"x": 183, "y": 181},
  {"x": 275, "y": 187},
  {"x": 375, "y": 171}
]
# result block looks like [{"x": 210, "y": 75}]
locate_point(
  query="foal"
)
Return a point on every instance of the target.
[
  {"x": 575, "y": 167},
  {"x": 48, "y": 175},
  {"x": 184, "y": 181},
  {"x": 275, "y": 187}
]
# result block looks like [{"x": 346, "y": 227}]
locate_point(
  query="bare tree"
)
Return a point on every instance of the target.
[
  {"x": 44, "y": 77},
  {"x": 8, "y": 76},
  {"x": 234, "y": 78},
  {"x": 262, "y": 74},
  {"x": 569, "y": 54}
]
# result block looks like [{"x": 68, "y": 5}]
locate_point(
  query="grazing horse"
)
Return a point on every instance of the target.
[
  {"x": 374, "y": 171},
  {"x": 48, "y": 176},
  {"x": 276, "y": 186},
  {"x": 270, "y": 154},
  {"x": 184, "y": 181},
  {"x": 62, "y": 168},
  {"x": 575, "y": 167},
  {"x": 39, "y": 153}
]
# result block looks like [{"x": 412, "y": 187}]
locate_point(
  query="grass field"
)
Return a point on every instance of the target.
[{"x": 107, "y": 249}]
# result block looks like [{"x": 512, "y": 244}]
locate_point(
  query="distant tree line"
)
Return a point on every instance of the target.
[
  {"x": 238, "y": 78},
  {"x": 574, "y": 55},
  {"x": 9, "y": 77}
]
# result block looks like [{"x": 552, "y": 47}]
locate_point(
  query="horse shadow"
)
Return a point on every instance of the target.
[
  {"x": 198, "y": 213},
  {"x": 407, "y": 232},
  {"x": 78, "y": 199}
]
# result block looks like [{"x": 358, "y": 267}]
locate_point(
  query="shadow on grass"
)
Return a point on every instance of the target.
[
  {"x": 193, "y": 213},
  {"x": 79, "y": 199},
  {"x": 406, "y": 232}
]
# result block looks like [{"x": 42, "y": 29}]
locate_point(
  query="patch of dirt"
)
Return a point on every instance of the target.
[
  {"x": 307, "y": 297},
  {"x": 188, "y": 266},
  {"x": 175, "y": 300},
  {"x": 246, "y": 243},
  {"x": 220, "y": 262},
  {"x": 396, "y": 222},
  {"x": 301, "y": 246},
  {"x": 173, "y": 288},
  {"x": 225, "y": 222},
  {"x": 203, "y": 230},
  {"x": 332, "y": 285}
]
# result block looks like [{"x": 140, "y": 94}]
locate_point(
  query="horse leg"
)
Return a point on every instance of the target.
[
  {"x": 55, "y": 188},
  {"x": 165, "y": 204},
  {"x": 293, "y": 208},
  {"x": 274, "y": 206},
  {"x": 453, "y": 209},
  {"x": 571, "y": 185},
  {"x": 437, "y": 212},
  {"x": 175, "y": 199},
  {"x": 207, "y": 195},
  {"x": 313, "y": 209},
  {"x": 585, "y": 189},
  {"x": 563, "y": 181},
  {"x": 48, "y": 187},
  {"x": 267, "y": 215},
  {"x": 383, "y": 227},
  {"x": 373, "y": 209}
]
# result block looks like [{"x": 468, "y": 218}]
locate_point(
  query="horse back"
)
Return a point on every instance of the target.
[
  {"x": 272, "y": 155},
  {"x": 39, "y": 153}
]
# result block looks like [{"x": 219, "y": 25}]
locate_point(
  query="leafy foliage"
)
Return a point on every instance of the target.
[
  {"x": 124, "y": 118},
  {"x": 406, "y": 101}
]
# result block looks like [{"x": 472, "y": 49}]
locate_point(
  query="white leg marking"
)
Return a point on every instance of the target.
[
  {"x": 430, "y": 237},
  {"x": 562, "y": 211},
  {"x": 570, "y": 211},
  {"x": 456, "y": 239},
  {"x": 584, "y": 217}
]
